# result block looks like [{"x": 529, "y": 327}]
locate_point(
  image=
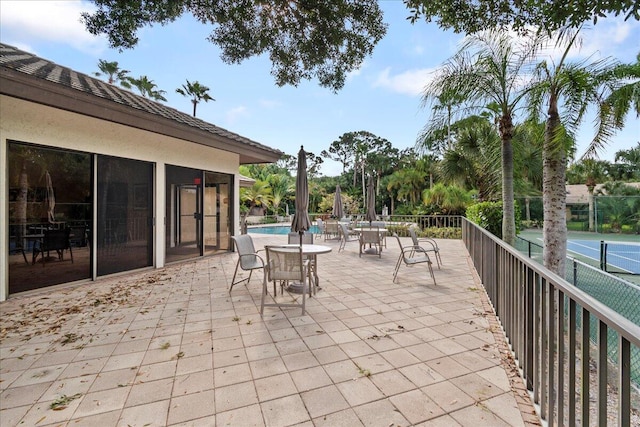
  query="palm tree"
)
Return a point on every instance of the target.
[
  {"x": 439, "y": 138},
  {"x": 197, "y": 92},
  {"x": 258, "y": 196},
  {"x": 489, "y": 68},
  {"x": 113, "y": 71},
  {"x": 574, "y": 86},
  {"x": 528, "y": 138},
  {"x": 589, "y": 172},
  {"x": 407, "y": 184},
  {"x": 630, "y": 156},
  {"x": 626, "y": 166},
  {"x": 147, "y": 88},
  {"x": 449, "y": 199},
  {"x": 281, "y": 187},
  {"x": 474, "y": 161},
  {"x": 623, "y": 96}
]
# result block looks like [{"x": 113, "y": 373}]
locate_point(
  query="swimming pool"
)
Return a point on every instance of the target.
[{"x": 278, "y": 229}]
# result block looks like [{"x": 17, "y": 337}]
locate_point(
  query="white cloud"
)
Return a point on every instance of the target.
[
  {"x": 236, "y": 113},
  {"x": 55, "y": 21},
  {"x": 269, "y": 104},
  {"x": 611, "y": 37},
  {"x": 410, "y": 82},
  {"x": 607, "y": 38}
]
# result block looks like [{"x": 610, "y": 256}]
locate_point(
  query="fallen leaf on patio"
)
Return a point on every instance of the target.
[{"x": 63, "y": 401}]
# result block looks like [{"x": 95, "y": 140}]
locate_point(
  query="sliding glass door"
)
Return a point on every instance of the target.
[
  {"x": 198, "y": 212},
  {"x": 125, "y": 214},
  {"x": 217, "y": 214},
  {"x": 183, "y": 213},
  {"x": 49, "y": 190}
]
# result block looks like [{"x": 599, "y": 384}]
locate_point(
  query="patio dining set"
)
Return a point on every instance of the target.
[{"x": 294, "y": 266}]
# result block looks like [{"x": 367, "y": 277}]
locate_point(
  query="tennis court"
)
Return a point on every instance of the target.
[
  {"x": 622, "y": 250},
  {"x": 616, "y": 257},
  {"x": 620, "y": 292}
]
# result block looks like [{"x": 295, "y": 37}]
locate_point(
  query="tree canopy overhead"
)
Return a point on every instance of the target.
[
  {"x": 304, "y": 39},
  {"x": 470, "y": 17}
]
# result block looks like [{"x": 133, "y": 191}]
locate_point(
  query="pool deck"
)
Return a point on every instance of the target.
[{"x": 171, "y": 347}]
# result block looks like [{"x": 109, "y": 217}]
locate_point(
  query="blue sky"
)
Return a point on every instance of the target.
[{"x": 382, "y": 97}]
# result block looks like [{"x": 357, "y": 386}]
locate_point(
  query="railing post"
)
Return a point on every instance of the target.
[
  {"x": 572, "y": 326},
  {"x": 602, "y": 373},
  {"x": 560, "y": 357},
  {"x": 624, "y": 382},
  {"x": 547, "y": 321},
  {"x": 529, "y": 329},
  {"x": 585, "y": 369}
]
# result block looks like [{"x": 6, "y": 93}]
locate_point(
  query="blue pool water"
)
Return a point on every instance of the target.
[{"x": 278, "y": 229}]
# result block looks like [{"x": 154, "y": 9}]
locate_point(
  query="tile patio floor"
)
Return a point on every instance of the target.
[{"x": 170, "y": 347}]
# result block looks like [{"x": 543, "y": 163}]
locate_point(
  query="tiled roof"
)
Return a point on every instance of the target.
[
  {"x": 29, "y": 64},
  {"x": 579, "y": 194}
]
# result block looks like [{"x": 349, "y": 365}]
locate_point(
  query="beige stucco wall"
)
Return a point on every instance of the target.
[{"x": 33, "y": 123}]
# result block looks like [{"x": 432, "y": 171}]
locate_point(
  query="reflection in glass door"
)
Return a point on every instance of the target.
[
  {"x": 183, "y": 213},
  {"x": 49, "y": 190},
  {"x": 211, "y": 218},
  {"x": 186, "y": 230},
  {"x": 198, "y": 213},
  {"x": 217, "y": 212}
]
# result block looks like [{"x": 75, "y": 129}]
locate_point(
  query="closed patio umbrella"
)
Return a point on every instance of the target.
[
  {"x": 338, "y": 210},
  {"x": 371, "y": 201},
  {"x": 301, "y": 221},
  {"x": 51, "y": 198}
]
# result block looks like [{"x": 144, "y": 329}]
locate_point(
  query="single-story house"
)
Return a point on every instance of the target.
[
  {"x": 578, "y": 194},
  {"x": 97, "y": 180}
]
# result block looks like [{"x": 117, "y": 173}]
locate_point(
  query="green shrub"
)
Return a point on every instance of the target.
[
  {"x": 578, "y": 226},
  {"x": 627, "y": 229},
  {"x": 441, "y": 233},
  {"x": 401, "y": 230},
  {"x": 487, "y": 215}
]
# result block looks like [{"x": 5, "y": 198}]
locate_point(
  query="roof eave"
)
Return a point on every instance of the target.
[{"x": 23, "y": 86}]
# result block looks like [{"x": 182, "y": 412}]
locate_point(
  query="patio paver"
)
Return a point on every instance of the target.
[{"x": 172, "y": 347}]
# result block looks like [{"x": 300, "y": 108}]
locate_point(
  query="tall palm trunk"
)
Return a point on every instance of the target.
[
  {"x": 508, "y": 210},
  {"x": 554, "y": 230},
  {"x": 591, "y": 185}
]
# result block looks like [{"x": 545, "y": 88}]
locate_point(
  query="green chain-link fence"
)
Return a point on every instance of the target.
[
  {"x": 611, "y": 214},
  {"x": 616, "y": 293}
]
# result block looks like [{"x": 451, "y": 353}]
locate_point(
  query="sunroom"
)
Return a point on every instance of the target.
[{"x": 129, "y": 182}]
